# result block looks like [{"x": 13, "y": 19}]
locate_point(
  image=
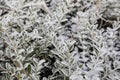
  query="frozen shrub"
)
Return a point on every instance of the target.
[{"x": 59, "y": 40}]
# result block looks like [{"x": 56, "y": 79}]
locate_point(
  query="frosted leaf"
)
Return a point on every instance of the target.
[
  {"x": 20, "y": 51},
  {"x": 65, "y": 63},
  {"x": 65, "y": 72},
  {"x": 29, "y": 49}
]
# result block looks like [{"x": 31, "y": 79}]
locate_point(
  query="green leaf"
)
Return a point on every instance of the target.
[{"x": 29, "y": 70}]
